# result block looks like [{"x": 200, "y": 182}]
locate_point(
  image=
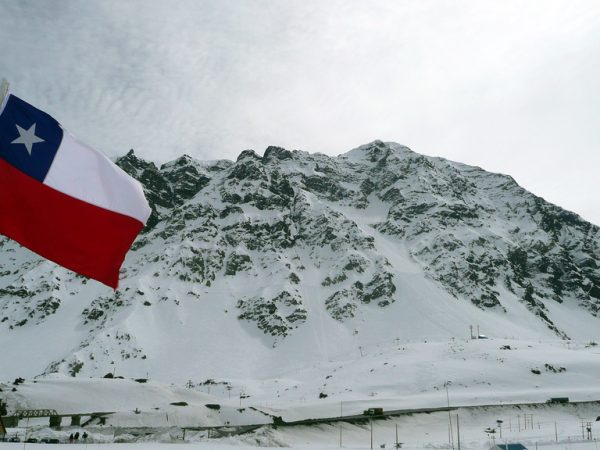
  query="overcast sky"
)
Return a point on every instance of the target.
[{"x": 511, "y": 86}]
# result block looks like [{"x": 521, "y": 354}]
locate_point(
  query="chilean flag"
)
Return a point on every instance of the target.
[{"x": 62, "y": 199}]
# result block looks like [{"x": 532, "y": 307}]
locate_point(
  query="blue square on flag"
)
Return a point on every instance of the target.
[{"x": 29, "y": 138}]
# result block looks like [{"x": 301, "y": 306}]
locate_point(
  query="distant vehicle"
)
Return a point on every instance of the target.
[
  {"x": 373, "y": 412},
  {"x": 558, "y": 400},
  {"x": 482, "y": 336}
]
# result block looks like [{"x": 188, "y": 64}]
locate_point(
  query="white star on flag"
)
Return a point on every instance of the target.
[{"x": 27, "y": 138}]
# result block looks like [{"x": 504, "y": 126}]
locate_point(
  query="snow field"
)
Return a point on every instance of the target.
[
  {"x": 398, "y": 375},
  {"x": 548, "y": 427}
]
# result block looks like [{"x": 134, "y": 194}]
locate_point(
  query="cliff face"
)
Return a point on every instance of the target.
[{"x": 267, "y": 261}]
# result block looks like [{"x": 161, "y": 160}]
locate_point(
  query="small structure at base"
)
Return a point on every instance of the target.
[
  {"x": 514, "y": 446},
  {"x": 55, "y": 422}
]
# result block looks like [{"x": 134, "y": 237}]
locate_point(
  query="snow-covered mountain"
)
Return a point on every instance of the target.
[{"x": 271, "y": 263}]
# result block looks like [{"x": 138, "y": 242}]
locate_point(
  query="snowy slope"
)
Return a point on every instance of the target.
[
  {"x": 476, "y": 372},
  {"x": 272, "y": 264}
]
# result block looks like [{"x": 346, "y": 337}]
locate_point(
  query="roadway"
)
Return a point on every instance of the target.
[{"x": 401, "y": 412}]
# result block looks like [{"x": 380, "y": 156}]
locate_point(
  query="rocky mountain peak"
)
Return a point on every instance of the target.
[
  {"x": 276, "y": 153},
  {"x": 248, "y": 154},
  {"x": 299, "y": 249}
]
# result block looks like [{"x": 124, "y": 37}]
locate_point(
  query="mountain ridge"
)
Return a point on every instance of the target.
[{"x": 243, "y": 264}]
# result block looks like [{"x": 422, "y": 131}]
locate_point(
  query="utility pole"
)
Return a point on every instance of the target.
[
  {"x": 457, "y": 433},
  {"x": 588, "y": 427},
  {"x": 341, "y": 415},
  {"x": 555, "y": 432},
  {"x": 26, "y": 431},
  {"x": 397, "y": 445},
  {"x": 371, "y": 422},
  {"x": 449, "y": 415},
  {"x": 242, "y": 395}
]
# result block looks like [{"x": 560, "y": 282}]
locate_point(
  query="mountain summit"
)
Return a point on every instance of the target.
[{"x": 282, "y": 260}]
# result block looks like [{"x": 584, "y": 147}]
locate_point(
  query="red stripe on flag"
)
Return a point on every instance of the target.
[{"x": 82, "y": 237}]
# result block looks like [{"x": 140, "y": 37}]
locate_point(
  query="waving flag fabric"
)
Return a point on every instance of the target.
[{"x": 62, "y": 199}]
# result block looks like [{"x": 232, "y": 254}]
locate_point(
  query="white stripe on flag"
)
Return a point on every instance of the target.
[{"x": 88, "y": 175}]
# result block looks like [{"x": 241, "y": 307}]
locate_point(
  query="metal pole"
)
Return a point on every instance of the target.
[
  {"x": 457, "y": 433},
  {"x": 3, "y": 91},
  {"x": 397, "y": 446},
  {"x": 341, "y": 414},
  {"x": 449, "y": 417},
  {"x": 25, "y": 438},
  {"x": 555, "y": 432},
  {"x": 451, "y": 430},
  {"x": 371, "y": 422}
]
